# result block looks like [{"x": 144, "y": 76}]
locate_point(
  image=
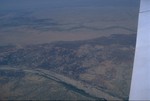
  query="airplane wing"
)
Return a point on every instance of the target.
[{"x": 140, "y": 84}]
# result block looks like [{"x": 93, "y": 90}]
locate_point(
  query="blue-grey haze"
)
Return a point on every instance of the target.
[{"x": 40, "y": 21}]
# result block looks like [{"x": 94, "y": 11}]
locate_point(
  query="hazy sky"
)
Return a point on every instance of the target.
[{"x": 38, "y": 4}]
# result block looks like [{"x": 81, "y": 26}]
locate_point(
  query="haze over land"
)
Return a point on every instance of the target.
[
  {"x": 67, "y": 49},
  {"x": 27, "y": 22}
]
